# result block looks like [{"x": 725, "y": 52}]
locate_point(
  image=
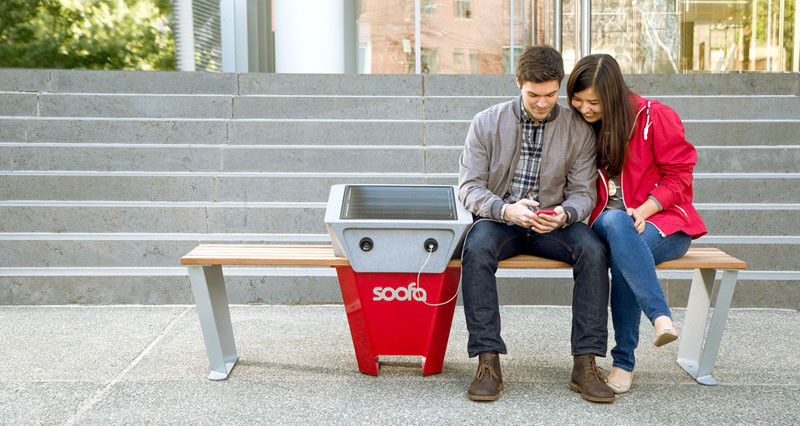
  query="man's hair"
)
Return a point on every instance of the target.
[{"x": 540, "y": 64}]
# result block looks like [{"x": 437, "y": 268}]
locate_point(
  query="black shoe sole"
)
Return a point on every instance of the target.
[
  {"x": 486, "y": 397},
  {"x": 483, "y": 398},
  {"x": 575, "y": 388}
]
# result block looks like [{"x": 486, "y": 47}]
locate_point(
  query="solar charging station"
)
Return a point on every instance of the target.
[{"x": 400, "y": 288}]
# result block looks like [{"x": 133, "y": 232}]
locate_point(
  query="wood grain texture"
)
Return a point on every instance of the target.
[{"x": 322, "y": 255}]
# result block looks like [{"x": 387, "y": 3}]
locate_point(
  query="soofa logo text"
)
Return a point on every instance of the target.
[{"x": 401, "y": 294}]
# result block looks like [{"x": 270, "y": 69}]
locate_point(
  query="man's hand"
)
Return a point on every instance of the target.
[
  {"x": 545, "y": 223},
  {"x": 520, "y": 213}
]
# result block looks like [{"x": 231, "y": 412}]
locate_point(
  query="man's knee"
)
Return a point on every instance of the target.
[
  {"x": 591, "y": 250},
  {"x": 479, "y": 242}
]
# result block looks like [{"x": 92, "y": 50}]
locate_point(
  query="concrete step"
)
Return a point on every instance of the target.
[
  {"x": 213, "y": 131},
  {"x": 762, "y": 253},
  {"x": 123, "y": 249},
  {"x": 379, "y": 132},
  {"x": 645, "y": 84},
  {"x": 319, "y": 285},
  {"x": 710, "y": 159},
  {"x": 335, "y": 131},
  {"x": 18, "y": 104},
  {"x": 314, "y": 187},
  {"x": 320, "y": 107},
  {"x": 301, "y": 218},
  {"x": 91, "y": 81},
  {"x": 110, "y": 130},
  {"x": 134, "y": 106},
  {"x": 348, "y": 107},
  {"x": 688, "y": 107},
  {"x": 214, "y": 158},
  {"x": 331, "y": 84},
  {"x": 323, "y": 158},
  {"x": 161, "y": 218},
  {"x": 699, "y": 132},
  {"x": 292, "y": 187},
  {"x": 24, "y": 80},
  {"x": 84, "y": 81},
  {"x": 748, "y": 159}
]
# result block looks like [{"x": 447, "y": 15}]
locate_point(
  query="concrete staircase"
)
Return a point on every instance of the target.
[{"x": 108, "y": 178}]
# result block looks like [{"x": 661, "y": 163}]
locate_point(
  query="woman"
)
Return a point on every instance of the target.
[{"x": 644, "y": 209}]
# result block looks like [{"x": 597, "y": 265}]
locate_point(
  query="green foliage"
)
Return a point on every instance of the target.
[{"x": 91, "y": 34}]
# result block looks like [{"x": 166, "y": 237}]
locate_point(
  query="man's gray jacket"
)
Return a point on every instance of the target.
[{"x": 491, "y": 153}]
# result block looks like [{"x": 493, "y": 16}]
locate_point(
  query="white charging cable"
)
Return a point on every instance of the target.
[{"x": 430, "y": 253}]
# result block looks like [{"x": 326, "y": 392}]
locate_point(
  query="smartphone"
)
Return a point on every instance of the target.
[{"x": 540, "y": 212}]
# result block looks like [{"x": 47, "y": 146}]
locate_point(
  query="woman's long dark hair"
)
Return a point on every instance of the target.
[{"x": 602, "y": 72}]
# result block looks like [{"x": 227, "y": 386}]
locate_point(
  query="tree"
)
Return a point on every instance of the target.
[{"x": 92, "y": 34}]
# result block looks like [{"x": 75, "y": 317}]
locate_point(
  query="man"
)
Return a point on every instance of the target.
[{"x": 520, "y": 156}]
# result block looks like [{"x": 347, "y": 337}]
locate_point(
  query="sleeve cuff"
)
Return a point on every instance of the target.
[
  {"x": 503, "y": 212},
  {"x": 573, "y": 215},
  {"x": 655, "y": 200}
]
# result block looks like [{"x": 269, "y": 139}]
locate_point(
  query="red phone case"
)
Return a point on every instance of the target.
[{"x": 545, "y": 211}]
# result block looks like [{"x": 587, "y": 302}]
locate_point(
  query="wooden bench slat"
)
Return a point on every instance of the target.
[{"x": 322, "y": 255}]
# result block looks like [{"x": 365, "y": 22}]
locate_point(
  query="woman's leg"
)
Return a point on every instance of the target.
[
  {"x": 625, "y": 309},
  {"x": 632, "y": 261},
  {"x": 666, "y": 248}
]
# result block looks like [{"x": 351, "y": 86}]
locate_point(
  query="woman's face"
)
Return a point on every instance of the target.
[{"x": 588, "y": 104}]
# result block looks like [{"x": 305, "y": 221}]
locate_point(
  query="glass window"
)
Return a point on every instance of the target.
[
  {"x": 464, "y": 9},
  {"x": 474, "y": 64},
  {"x": 430, "y": 61},
  {"x": 459, "y": 66},
  {"x": 507, "y": 67},
  {"x": 645, "y": 36},
  {"x": 386, "y": 28},
  {"x": 428, "y": 7}
]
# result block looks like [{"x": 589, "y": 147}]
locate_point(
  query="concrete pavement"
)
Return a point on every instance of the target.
[{"x": 147, "y": 364}]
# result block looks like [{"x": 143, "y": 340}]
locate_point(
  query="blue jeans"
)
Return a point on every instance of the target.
[
  {"x": 489, "y": 242},
  {"x": 634, "y": 283}
]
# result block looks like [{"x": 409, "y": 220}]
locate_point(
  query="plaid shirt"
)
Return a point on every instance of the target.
[{"x": 525, "y": 183}]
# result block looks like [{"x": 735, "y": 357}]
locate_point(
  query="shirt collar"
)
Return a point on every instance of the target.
[{"x": 525, "y": 118}]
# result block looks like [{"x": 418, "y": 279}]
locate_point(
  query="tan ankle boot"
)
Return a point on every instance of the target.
[
  {"x": 488, "y": 380},
  {"x": 589, "y": 381}
]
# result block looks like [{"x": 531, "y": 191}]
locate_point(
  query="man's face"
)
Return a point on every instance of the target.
[{"x": 539, "y": 98}]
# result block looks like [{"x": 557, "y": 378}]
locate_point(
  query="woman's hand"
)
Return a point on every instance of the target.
[{"x": 638, "y": 219}]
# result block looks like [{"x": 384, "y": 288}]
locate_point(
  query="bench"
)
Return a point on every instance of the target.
[{"x": 697, "y": 352}]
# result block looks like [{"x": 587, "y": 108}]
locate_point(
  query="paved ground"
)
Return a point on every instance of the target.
[{"x": 147, "y": 364}]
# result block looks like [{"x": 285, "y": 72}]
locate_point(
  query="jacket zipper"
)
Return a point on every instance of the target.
[{"x": 682, "y": 210}]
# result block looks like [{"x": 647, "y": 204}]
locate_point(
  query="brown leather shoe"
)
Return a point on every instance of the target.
[
  {"x": 488, "y": 380},
  {"x": 589, "y": 380}
]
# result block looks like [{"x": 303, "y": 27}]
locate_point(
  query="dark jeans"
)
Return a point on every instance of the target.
[{"x": 489, "y": 242}]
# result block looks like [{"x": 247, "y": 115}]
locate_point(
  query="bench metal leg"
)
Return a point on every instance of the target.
[
  {"x": 208, "y": 289},
  {"x": 695, "y": 357}
]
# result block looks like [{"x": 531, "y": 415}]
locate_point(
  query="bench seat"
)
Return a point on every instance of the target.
[
  {"x": 697, "y": 352},
  {"x": 322, "y": 255}
]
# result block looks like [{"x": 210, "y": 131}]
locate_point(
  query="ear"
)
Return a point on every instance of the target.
[{"x": 519, "y": 85}]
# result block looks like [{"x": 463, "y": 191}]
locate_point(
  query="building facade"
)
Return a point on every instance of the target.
[{"x": 486, "y": 36}]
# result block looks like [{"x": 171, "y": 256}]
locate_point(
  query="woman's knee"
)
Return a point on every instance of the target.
[{"x": 615, "y": 221}]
